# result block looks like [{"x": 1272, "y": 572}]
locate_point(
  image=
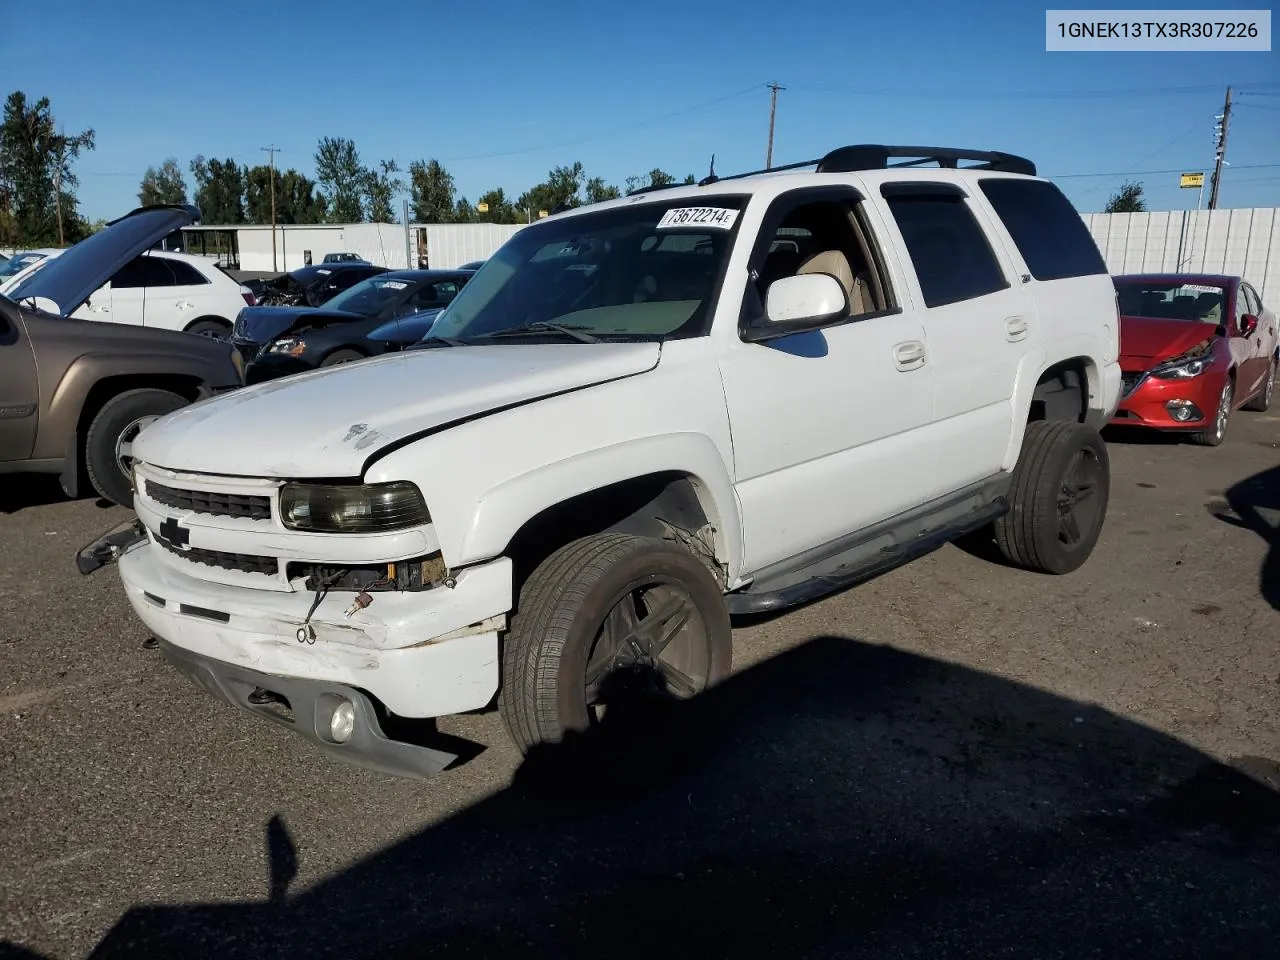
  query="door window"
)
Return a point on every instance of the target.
[{"x": 952, "y": 257}]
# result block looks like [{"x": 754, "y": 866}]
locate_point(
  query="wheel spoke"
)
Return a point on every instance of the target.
[
  {"x": 662, "y": 625},
  {"x": 678, "y": 679},
  {"x": 1085, "y": 490},
  {"x": 1069, "y": 527},
  {"x": 126, "y": 449}
]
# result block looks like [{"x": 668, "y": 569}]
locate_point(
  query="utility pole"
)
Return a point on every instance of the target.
[
  {"x": 57, "y": 188},
  {"x": 272, "y": 151},
  {"x": 1220, "y": 142},
  {"x": 773, "y": 110}
]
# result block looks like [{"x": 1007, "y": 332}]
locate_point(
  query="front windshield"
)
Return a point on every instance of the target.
[
  {"x": 1172, "y": 300},
  {"x": 369, "y": 297},
  {"x": 649, "y": 271}
]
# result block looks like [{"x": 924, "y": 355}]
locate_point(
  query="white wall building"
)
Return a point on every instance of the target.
[{"x": 438, "y": 245}]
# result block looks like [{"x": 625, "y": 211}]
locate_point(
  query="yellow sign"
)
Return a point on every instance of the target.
[
  {"x": 541, "y": 214},
  {"x": 1192, "y": 180},
  {"x": 482, "y": 207}
]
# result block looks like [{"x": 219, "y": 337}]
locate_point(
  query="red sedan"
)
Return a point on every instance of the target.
[{"x": 1193, "y": 349}]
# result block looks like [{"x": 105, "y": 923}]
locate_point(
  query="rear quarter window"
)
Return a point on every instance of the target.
[{"x": 1047, "y": 230}]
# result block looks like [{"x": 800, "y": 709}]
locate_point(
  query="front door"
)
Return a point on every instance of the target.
[
  {"x": 826, "y": 426},
  {"x": 19, "y": 389}
]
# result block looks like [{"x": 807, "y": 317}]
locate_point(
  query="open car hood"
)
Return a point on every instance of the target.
[
  {"x": 264, "y": 324},
  {"x": 1153, "y": 339},
  {"x": 71, "y": 278}
]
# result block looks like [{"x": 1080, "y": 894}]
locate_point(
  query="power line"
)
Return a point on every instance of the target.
[
  {"x": 1147, "y": 173},
  {"x": 1257, "y": 106},
  {"x": 894, "y": 92}
]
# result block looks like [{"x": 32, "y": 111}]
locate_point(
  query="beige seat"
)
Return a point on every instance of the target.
[{"x": 837, "y": 264}]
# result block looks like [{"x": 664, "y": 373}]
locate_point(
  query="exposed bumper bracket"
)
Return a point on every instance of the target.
[{"x": 107, "y": 548}]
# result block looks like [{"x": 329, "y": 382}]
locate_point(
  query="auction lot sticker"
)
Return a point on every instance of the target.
[
  {"x": 1120, "y": 31},
  {"x": 722, "y": 218}
]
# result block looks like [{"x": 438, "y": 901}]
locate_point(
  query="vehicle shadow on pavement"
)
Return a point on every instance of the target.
[
  {"x": 23, "y": 491},
  {"x": 1255, "y": 504},
  {"x": 842, "y": 798}
]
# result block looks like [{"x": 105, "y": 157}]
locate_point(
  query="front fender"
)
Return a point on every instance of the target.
[{"x": 502, "y": 510}]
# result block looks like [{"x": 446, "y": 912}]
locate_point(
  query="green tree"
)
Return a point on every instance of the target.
[
  {"x": 598, "y": 192},
  {"x": 219, "y": 190},
  {"x": 500, "y": 209},
  {"x": 431, "y": 192},
  {"x": 343, "y": 177},
  {"x": 381, "y": 185},
  {"x": 296, "y": 197},
  {"x": 1128, "y": 199},
  {"x": 562, "y": 188},
  {"x": 654, "y": 178},
  {"x": 464, "y": 212},
  {"x": 37, "y": 183},
  {"x": 164, "y": 185}
]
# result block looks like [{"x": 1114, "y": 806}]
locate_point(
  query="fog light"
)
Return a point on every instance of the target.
[
  {"x": 1183, "y": 410},
  {"x": 343, "y": 722}
]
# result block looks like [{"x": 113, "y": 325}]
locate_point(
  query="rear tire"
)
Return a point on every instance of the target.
[
  {"x": 1262, "y": 402},
  {"x": 566, "y": 640},
  {"x": 107, "y": 448},
  {"x": 1214, "y": 436},
  {"x": 341, "y": 356},
  {"x": 213, "y": 329},
  {"x": 1058, "y": 498}
]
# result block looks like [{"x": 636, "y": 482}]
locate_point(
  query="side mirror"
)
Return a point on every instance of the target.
[
  {"x": 800, "y": 304},
  {"x": 1248, "y": 325}
]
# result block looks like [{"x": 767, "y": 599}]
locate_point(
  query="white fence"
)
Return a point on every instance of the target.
[{"x": 1243, "y": 241}]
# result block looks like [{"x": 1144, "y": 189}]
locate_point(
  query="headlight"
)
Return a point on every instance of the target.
[
  {"x": 360, "y": 508},
  {"x": 1182, "y": 370},
  {"x": 290, "y": 346}
]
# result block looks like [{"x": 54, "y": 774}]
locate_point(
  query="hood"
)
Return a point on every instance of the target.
[
  {"x": 328, "y": 423},
  {"x": 264, "y": 324},
  {"x": 70, "y": 279},
  {"x": 407, "y": 329},
  {"x": 1151, "y": 340}
]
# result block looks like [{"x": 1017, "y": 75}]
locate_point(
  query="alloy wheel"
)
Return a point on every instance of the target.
[
  {"x": 1078, "y": 502},
  {"x": 124, "y": 443}
]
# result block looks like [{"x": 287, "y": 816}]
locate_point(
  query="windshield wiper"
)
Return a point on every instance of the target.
[
  {"x": 431, "y": 341},
  {"x": 541, "y": 326}
]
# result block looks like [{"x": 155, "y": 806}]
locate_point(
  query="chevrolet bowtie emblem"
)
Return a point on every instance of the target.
[{"x": 175, "y": 534}]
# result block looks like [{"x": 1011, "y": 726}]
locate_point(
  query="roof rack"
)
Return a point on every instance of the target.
[
  {"x": 875, "y": 156},
  {"x": 655, "y": 186}
]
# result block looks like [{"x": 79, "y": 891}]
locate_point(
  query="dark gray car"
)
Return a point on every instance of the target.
[{"x": 75, "y": 393}]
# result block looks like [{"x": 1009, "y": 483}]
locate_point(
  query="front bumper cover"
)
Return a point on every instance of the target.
[{"x": 310, "y": 705}]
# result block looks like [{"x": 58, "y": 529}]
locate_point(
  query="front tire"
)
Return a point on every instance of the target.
[
  {"x": 108, "y": 445},
  {"x": 1217, "y": 433},
  {"x": 1058, "y": 498},
  {"x": 600, "y": 614}
]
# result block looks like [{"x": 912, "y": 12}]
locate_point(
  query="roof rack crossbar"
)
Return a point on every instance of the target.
[
  {"x": 654, "y": 186},
  {"x": 876, "y": 156}
]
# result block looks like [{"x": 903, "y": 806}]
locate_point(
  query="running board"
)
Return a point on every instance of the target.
[{"x": 874, "y": 551}]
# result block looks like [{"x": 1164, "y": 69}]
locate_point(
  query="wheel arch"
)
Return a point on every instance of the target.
[
  {"x": 208, "y": 318},
  {"x": 673, "y": 487},
  {"x": 1068, "y": 390}
]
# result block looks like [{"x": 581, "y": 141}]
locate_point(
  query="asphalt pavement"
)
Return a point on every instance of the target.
[{"x": 956, "y": 759}]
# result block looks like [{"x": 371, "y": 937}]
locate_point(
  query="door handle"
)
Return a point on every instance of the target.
[
  {"x": 909, "y": 355},
  {"x": 1015, "y": 328}
]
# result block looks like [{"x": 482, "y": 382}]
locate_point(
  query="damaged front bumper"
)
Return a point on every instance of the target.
[
  {"x": 341, "y": 720},
  {"x": 407, "y": 654}
]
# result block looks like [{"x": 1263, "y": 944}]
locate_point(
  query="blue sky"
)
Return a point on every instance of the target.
[{"x": 501, "y": 92}]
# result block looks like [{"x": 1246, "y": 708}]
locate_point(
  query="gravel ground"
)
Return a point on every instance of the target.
[{"x": 954, "y": 759}]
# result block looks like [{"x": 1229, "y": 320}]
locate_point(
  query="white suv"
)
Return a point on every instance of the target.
[
  {"x": 640, "y": 417},
  {"x": 160, "y": 288}
]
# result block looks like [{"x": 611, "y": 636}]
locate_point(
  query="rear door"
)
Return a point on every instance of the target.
[
  {"x": 128, "y": 291},
  {"x": 1256, "y": 348},
  {"x": 176, "y": 294},
  {"x": 19, "y": 389},
  {"x": 979, "y": 321}
]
